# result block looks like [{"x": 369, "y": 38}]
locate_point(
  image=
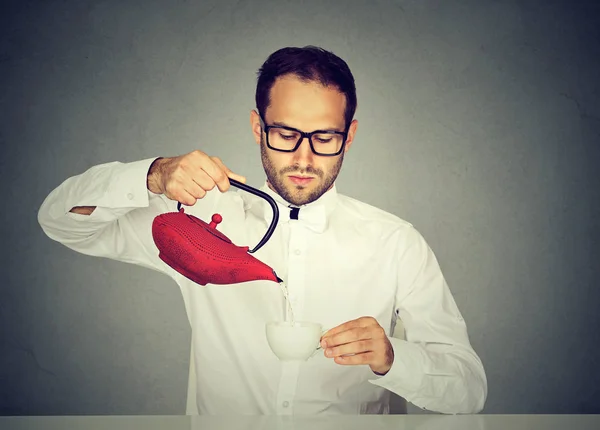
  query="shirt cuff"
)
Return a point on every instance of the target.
[
  {"x": 114, "y": 189},
  {"x": 406, "y": 374},
  {"x": 128, "y": 187}
]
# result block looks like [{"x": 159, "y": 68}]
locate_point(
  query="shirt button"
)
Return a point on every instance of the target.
[
  {"x": 286, "y": 404},
  {"x": 297, "y": 252},
  {"x": 130, "y": 196}
]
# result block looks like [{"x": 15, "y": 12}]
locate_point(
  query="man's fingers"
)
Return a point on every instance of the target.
[
  {"x": 176, "y": 190},
  {"x": 356, "y": 359},
  {"x": 223, "y": 173},
  {"x": 351, "y": 335},
  {"x": 189, "y": 177},
  {"x": 358, "y": 347},
  {"x": 357, "y": 342},
  {"x": 202, "y": 180},
  {"x": 358, "y": 322},
  {"x": 235, "y": 176},
  {"x": 216, "y": 175},
  {"x": 195, "y": 190},
  {"x": 353, "y": 330},
  {"x": 185, "y": 198},
  {"x": 340, "y": 328}
]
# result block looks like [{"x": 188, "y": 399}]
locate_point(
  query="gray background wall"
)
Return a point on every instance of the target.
[{"x": 479, "y": 122}]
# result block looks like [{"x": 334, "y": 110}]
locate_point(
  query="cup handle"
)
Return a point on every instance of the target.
[
  {"x": 316, "y": 350},
  {"x": 319, "y": 347}
]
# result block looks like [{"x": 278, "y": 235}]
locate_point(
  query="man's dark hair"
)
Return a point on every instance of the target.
[{"x": 310, "y": 63}]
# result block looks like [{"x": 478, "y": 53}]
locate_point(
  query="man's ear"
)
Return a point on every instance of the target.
[
  {"x": 255, "y": 126},
  {"x": 351, "y": 134}
]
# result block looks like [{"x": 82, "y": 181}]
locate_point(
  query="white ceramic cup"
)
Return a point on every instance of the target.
[{"x": 296, "y": 342}]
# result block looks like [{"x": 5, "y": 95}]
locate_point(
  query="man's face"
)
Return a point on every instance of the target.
[{"x": 301, "y": 177}]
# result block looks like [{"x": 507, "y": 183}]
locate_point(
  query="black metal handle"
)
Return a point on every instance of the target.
[{"x": 271, "y": 202}]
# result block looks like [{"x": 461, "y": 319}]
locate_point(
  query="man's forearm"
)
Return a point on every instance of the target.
[
  {"x": 440, "y": 378},
  {"x": 83, "y": 210}
]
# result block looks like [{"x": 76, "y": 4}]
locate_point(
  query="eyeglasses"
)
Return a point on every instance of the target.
[{"x": 287, "y": 139}]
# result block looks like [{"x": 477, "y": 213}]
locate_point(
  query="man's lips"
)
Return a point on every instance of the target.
[{"x": 300, "y": 180}]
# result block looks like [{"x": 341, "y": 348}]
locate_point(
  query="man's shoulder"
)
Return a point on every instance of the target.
[
  {"x": 375, "y": 224},
  {"x": 367, "y": 213}
]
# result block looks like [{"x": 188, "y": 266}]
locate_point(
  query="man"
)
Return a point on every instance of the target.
[{"x": 349, "y": 266}]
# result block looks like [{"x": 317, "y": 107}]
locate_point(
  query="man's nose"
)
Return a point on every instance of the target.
[{"x": 304, "y": 155}]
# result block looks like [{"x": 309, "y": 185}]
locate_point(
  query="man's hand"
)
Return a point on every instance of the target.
[
  {"x": 189, "y": 177},
  {"x": 360, "y": 341}
]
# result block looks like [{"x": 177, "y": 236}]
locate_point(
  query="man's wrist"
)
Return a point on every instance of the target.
[
  {"x": 153, "y": 176},
  {"x": 389, "y": 361}
]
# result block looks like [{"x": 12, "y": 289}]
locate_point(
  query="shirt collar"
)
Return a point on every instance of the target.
[{"x": 314, "y": 215}]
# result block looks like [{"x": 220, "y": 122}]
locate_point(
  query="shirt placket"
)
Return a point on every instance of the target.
[{"x": 295, "y": 285}]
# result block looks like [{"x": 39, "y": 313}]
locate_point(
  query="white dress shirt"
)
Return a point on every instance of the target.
[{"x": 341, "y": 260}]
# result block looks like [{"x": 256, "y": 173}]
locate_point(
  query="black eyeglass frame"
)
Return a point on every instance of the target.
[{"x": 303, "y": 135}]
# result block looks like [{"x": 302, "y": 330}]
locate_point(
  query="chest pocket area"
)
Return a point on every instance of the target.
[{"x": 344, "y": 287}]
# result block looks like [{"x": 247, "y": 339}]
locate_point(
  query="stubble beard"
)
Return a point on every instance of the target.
[{"x": 295, "y": 195}]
